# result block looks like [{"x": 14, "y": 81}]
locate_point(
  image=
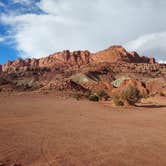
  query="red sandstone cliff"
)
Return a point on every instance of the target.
[
  {"x": 118, "y": 54},
  {"x": 76, "y": 58},
  {"x": 113, "y": 54}
]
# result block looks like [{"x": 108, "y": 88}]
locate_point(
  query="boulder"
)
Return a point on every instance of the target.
[{"x": 134, "y": 83}]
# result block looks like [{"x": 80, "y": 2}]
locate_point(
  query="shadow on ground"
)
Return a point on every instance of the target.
[{"x": 151, "y": 106}]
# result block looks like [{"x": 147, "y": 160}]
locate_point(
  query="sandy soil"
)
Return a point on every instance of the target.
[{"x": 49, "y": 131}]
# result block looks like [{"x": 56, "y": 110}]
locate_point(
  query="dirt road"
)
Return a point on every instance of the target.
[{"x": 47, "y": 131}]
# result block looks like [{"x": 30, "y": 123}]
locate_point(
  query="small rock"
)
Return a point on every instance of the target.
[{"x": 16, "y": 164}]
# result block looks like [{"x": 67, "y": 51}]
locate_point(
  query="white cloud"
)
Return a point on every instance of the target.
[
  {"x": 39, "y": 35},
  {"x": 27, "y": 2},
  {"x": 93, "y": 25},
  {"x": 2, "y": 39},
  {"x": 149, "y": 43},
  {"x": 162, "y": 62}
]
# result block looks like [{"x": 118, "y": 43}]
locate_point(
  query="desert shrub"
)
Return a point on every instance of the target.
[
  {"x": 117, "y": 101},
  {"x": 103, "y": 95},
  {"x": 89, "y": 93},
  {"x": 2, "y": 81},
  {"x": 130, "y": 94},
  {"x": 12, "y": 76},
  {"x": 44, "y": 69},
  {"x": 78, "y": 96},
  {"x": 93, "y": 98},
  {"x": 144, "y": 95},
  {"x": 152, "y": 95},
  {"x": 162, "y": 94}
]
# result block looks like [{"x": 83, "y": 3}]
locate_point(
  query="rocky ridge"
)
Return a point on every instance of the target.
[
  {"x": 83, "y": 71},
  {"x": 114, "y": 54}
]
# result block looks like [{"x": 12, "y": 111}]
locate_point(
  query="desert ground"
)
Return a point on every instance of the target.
[{"x": 45, "y": 130}]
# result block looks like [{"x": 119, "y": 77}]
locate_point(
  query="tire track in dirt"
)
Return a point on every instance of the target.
[{"x": 45, "y": 151}]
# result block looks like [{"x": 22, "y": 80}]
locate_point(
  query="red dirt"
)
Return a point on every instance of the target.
[{"x": 47, "y": 131}]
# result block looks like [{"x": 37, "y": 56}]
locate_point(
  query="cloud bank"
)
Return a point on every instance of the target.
[
  {"x": 74, "y": 24},
  {"x": 151, "y": 44}
]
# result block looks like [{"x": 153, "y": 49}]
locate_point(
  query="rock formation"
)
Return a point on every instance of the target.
[
  {"x": 119, "y": 54},
  {"x": 0, "y": 68},
  {"x": 67, "y": 58},
  {"x": 113, "y": 54},
  {"x": 83, "y": 71}
]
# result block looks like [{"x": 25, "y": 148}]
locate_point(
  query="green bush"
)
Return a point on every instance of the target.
[
  {"x": 117, "y": 101},
  {"x": 93, "y": 98},
  {"x": 103, "y": 95},
  {"x": 130, "y": 94},
  {"x": 3, "y": 81},
  {"x": 89, "y": 93},
  {"x": 78, "y": 96}
]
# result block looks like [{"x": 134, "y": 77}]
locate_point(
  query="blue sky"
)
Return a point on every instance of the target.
[
  {"x": 37, "y": 28},
  {"x": 8, "y": 50}
]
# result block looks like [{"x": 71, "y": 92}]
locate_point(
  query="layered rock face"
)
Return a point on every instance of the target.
[
  {"x": 114, "y": 54},
  {"x": 82, "y": 71},
  {"x": 135, "y": 58},
  {"x": 76, "y": 58},
  {"x": 119, "y": 54}
]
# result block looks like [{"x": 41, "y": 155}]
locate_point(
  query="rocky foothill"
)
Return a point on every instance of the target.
[{"x": 109, "y": 70}]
